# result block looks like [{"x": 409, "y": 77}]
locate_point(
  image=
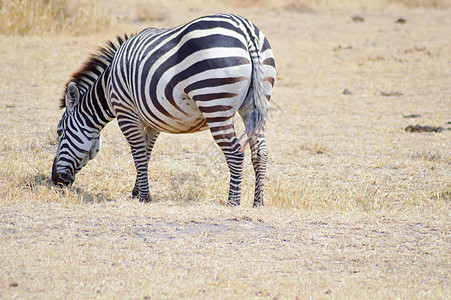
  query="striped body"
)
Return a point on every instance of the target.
[{"x": 186, "y": 79}]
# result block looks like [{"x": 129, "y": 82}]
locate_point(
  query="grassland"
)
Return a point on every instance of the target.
[{"x": 356, "y": 206}]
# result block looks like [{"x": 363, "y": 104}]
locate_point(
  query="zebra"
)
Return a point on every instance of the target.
[{"x": 184, "y": 79}]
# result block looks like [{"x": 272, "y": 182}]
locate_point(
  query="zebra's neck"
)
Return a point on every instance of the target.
[
  {"x": 96, "y": 106},
  {"x": 92, "y": 81}
]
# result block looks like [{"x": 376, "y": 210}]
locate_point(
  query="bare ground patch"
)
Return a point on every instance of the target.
[{"x": 134, "y": 250}]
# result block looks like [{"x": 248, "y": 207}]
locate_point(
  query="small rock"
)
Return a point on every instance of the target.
[
  {"x": 347, "y": 92},
  {"x": 420, "y": 128},
  {"x": 358, "y": 19},
  {"x": 342, "y": 48},
  {"x": 413, "y": 116},
  {"x": 401, "y": 21},
  {"x": 396, "y": 94}
]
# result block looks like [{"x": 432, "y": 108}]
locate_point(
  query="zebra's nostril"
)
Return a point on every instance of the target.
[
  {"x": 65, "y": 179},
  {"x": 62, "y": 178}
]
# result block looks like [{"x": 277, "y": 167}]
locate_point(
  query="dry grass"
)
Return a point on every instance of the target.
[
  {"x": 356, "y": 206},
  {"x": 77, "y": 17},
  {"x": 52, "y": 16}
]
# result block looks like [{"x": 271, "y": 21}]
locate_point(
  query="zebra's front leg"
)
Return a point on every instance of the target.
[
  {"x": 142, "y": 181},
  {"x": 137, "y": 137},
  {"x": 151, "y": 137}
]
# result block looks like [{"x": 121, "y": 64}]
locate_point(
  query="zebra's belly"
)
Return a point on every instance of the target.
[{"x": 183, "y": 116}]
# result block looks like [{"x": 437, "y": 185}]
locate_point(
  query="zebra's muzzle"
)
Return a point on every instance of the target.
[{"x": 62, "y": 178}]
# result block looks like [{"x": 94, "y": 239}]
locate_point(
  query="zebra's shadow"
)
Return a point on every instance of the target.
[{"x": 41, "y": 180}]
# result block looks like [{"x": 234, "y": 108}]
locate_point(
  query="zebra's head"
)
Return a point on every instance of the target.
[{"x": 77, "y": 142}]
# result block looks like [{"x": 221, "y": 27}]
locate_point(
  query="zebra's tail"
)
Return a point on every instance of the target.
[{"x": 260, "y": 103}]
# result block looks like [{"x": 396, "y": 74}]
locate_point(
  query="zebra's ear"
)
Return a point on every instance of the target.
[{"x": 72, "y": 96}]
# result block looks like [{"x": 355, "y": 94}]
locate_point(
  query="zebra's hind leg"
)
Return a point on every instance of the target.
[
  {"x": 259, "y": 159},
  {"x": 224, "y": 134},
  {"x": 259, "y": 154}
]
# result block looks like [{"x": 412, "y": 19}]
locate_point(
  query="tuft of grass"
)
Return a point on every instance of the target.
[
  {"x": 24, "y": 17},
  {"x": 429, "y": 156}
]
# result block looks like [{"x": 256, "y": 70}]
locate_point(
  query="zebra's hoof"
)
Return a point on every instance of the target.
[
  {"x": 257, "y": 204},
  {"x": 147, "y": 199}
]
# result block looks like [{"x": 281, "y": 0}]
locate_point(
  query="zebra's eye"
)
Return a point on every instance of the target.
[{"x": 60, "y": 134}]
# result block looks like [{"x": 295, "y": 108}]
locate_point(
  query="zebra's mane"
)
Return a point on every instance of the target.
[{"x": 94, "y": 66}]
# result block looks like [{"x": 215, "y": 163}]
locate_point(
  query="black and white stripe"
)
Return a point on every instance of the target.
[{"x": 185, "y": 79}]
